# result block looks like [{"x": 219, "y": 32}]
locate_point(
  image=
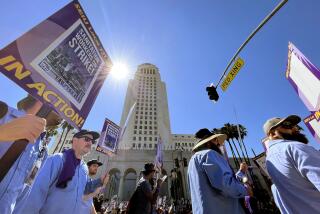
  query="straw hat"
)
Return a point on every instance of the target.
[{"x": 221, "y": 138}]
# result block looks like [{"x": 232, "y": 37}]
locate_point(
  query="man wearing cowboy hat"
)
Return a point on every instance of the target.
[
  {"x": 17, "y": 124},
  {"x": 293, "y": 166},
  {"x": 63, "y": 179},
  {"x": 144, "y": 195},
  {"x": 87, "y": 203},
  {"x": 213, "y": 186}
]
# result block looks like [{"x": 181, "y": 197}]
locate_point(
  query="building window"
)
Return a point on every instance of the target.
[
  {"x": 134, "y": 138},
  {"x": 145, "y": 138},
  {"x": 150, "y": 132},
  {"x": 133, "y": 145},
  {"x": 134, "y": 132},
  {"x": 155, "y": 138},
  {"x": 146, "y": 127},
  {"x": 135, "y": 127},
  {"x": 145, "y": 132},
  {"x": 144, "y": 145},
  {"x": 150, "y": 145},
  {"x": 139, "y": 145},
  {"x": 140, "y": 132},
  {"x": 140, "y": 127},
  {"x": 140, "y": 138},
  {"x": 150, "y": 138}
]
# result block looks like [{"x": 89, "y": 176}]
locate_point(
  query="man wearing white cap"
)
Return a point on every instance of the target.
[
  {"x": 213, "y": 186},
  {"x": 293, "y": 166}
]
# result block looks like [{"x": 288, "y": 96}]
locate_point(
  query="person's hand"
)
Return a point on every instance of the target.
[
  {"x": 159, "y": 182},
  {"x": 105, "y": 179},
  {"x": 97, "y": 191},
  {"x": 27, "y": 127}
]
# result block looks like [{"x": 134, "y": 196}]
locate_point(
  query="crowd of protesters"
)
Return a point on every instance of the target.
[
  {"x": 63, "y": 183},
  {"x": 163, "y": 206},
  {"x": 292, "y": 164}
]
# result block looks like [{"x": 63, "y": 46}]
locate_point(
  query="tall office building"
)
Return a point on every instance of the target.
[{"x": 150, "y": 118}]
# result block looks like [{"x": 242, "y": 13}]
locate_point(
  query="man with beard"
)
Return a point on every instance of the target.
[
  {"x": 145, "y": 195},
  {"x": 293, "y": 166},
  {"x": 213, "y": 186},
  {"x": 87, "y": 203}
]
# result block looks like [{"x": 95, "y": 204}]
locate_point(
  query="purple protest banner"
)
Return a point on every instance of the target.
[
  {"x": 61, "y": 62},
  {"x": 304, "y": 77},
  {"x": 313, "y": 124},
  {"x": 109, "y": 139}
]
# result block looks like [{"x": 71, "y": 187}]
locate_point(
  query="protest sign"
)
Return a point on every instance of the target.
[
  {"x": 304, "y": 77},
  {"x": 260, "y": 161},
  {"x": 109, "y": 138},
  {"x": 61, "y": 62},
  {"x": 313, "y": 124}
]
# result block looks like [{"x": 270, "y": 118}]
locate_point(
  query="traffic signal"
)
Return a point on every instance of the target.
[
  {"x": 212, "y": 93},
  {"x": 176, "y": 162}
]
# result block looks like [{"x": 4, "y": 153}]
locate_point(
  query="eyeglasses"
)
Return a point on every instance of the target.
[{"x": 88, "y": 139}]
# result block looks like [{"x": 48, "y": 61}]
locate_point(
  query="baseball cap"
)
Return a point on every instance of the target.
[
  {"x": 277, "y": 121},
  {"x": 83, "y": 132},
  {"x": 94, "y": 161}
]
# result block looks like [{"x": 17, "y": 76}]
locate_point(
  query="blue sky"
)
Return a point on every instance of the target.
[{"x": 191, "y": 43}]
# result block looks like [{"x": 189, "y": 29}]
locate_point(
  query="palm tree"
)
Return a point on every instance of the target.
[
  {"x": 237, "y": 136},
  {"x": 64, "y": 126},
  {"x": 230, "y": 130},
  {"x": 52, "y": 131},
  {"x": 223, "y": 130},
  {"x": 243, "y": 133},
  {"x": 69, "y": 128}
]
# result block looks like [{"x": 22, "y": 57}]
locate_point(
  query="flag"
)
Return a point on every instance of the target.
[
  {"x": 158, "y": 162},
  {"x": 123, "y": 129}
]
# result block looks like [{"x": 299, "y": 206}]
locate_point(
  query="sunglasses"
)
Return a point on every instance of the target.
[
  {"x": 287, "y": 125},
  {"x": 88, "y": 139}
]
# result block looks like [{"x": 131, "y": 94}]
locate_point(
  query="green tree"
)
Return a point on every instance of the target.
[
  {"x": 230, "y": 130},
  {"x": 225, "y": 131},
  {"x": 69, "y": 128}
]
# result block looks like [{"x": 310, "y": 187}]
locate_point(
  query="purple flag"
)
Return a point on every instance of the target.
[{"x": 158, "y": 162}]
